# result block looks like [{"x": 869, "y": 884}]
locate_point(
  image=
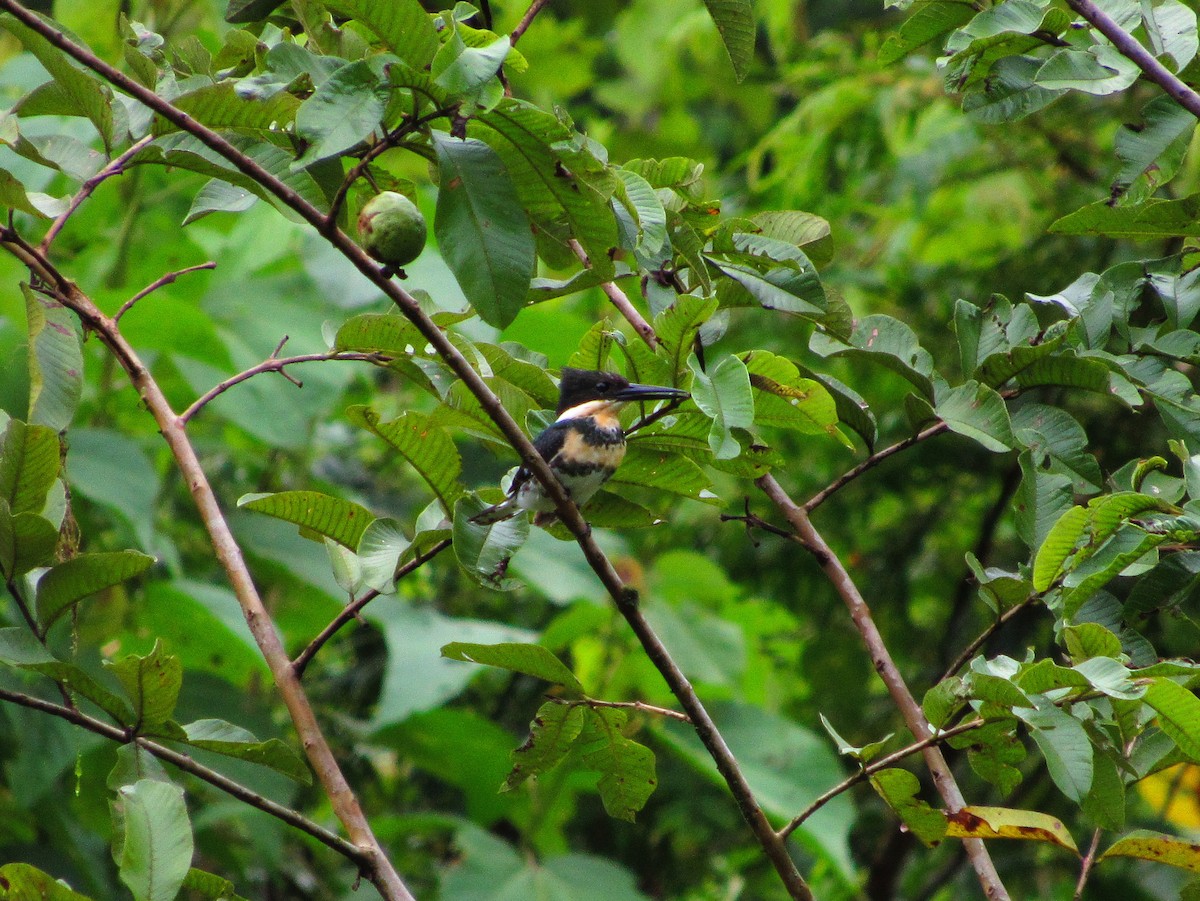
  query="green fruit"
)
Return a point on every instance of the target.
[{"x": 392, "y": 229}]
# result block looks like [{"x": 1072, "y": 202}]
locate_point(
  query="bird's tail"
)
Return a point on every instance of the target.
[{"x": 506, "y": 509}]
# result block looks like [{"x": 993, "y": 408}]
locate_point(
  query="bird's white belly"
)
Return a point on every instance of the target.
[{"x": 582, "y": 487}]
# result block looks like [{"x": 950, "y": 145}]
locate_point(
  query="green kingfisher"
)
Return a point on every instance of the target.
[{"x": 583, "y": 446}]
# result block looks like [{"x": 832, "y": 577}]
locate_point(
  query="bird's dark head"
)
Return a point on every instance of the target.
[{"x": 605, "y": 391}]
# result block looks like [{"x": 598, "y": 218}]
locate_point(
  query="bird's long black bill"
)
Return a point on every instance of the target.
[{"x": 650, "y": 392}]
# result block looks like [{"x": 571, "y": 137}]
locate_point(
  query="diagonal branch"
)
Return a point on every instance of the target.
[
  {"x": 620, "y": 300},
  {"x": 345, "y": 803},
  {"x": 1131, "y": 49},
  {"x": 189, "y": 765},
  {"x": 807, "y": 535},
  {"x": 870, "y": 463},
  {"x": 160, "y": 282}
]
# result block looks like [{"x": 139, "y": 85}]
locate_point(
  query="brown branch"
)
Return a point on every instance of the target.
[
  {"x": 619, "y": 299},
  {"x": 273, "y": 364},
  {"x": 969, "y": 651},
  {"x": 639, "y": 706},
  {"x": 870, "y": 463},
  {"x": 189, "y": 765},
  {"x": 344, "y": 801},
  {"x": 352, "y": 609},
  {"x": 910, "y": 709},
  {"x": 526, "y": 20},
  {"x": 1129, "y": 47},
  {"x": 875, "y": 766},
  {"x": 115, "y": 167},
  {"x": 160, "y": 282},
  {"x": 1085, "y": 869}
]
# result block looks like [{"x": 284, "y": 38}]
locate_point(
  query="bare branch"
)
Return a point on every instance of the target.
[
  {"x": 870, "y": 463},
  {"x": 115, "y": 167},
  {"x": 189, "y": 765},
  {"x": 160, "y": 282},
  {"x": 620, "y": 300},
  {"x": 355, "y": 607},
  {"x": 1131, "y": 49},
  {"x": 969, "y": 651},
  {"x": 910, "y": 709},
  {"x": 874, "y": 767},
  {"x": 639, "y": 706},
  {"x": 274, "y": 364},
  {"x": 526, "y": 20},
  {"x": 1085, "y": 868}
]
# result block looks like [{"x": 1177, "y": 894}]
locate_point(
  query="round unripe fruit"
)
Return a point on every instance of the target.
[{"x": 392, "y": 229}]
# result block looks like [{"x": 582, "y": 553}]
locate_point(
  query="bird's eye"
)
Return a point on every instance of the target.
[{"x": 602, "y": 387}]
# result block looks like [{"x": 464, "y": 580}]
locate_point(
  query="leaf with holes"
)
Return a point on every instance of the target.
[
  {"x": 627, "y": 771},
  {"x": 552, "y": 734},
  {"x": 152, "y": 683}
]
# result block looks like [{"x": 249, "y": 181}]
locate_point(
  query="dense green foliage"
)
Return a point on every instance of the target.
[{"x": 954, "y": 241}]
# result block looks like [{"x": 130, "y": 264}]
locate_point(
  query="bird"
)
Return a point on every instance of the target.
[{"x": 583, "y": 446}]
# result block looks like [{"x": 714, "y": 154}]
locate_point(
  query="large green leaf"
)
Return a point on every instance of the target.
[
  {"x": 1178, "y": 714},
  {"x": 723, "y": 394},
  {"x": 977, "y": 411},
  {"x": 425, "y": 445},
  {"x": 530, "y": 659},
  {"x": 551, "y": 737},
  {"x": 23, "y": 882},
  {"x": 342, "y": 111},
  {"x": 899, "y": 789},
  {"x": 14, "y": 196},
  {"x": 678, "y": 325},
  {"x": 68, "y": 583},
  {"x": 483, "y": 551},
  {"x": 662, "y": 470},
  {"x": 1156, "y": 847},
  {"x": 55, "y": 361},
  {"x": 402, "y": 25},
  {"x": 627, "y": 771},
  {"x": 928, "y": 22},
  {"x": 1064, "y": 745},
  {"x": 1155, "y": 218},
  {"x": 316, "y": 514},
  {"x": 482, "y": 231},
  {"x": 152, "y": 683},
  {"x": 152, "y": 839},
  {"x": 735, "y": 23},
  {"x": 220, "y": 107},
  {"x": 29, "y": 463},
  {"x": 786, "y": 400},
  {"x": 886, "y": 341},
  {"x": 225, "y": 738}
]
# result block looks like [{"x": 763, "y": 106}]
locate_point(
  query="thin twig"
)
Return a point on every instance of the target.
[
  {"x": 352, "y": 609},
  {"x": 160, "y": 282},
  {"x": 1129, "y": 47},
  {"x": 870, "y": 463},
  {"x": 189, "y": 765},
  {"x": 274, "y": 364},
  {"x": 619, "y": 299},
  {"x": 526, "y": 20},
  {"x": 115, "y": 167},
  {"x": 665, "y": 410},
  {"x": 639, "y": 706},
  {"x": 874, "y": 767},
  {"x": 345, "y": 803},
  {"x": 860, "y": 613},
  {"x": 1089, "y": 860},
  {"x": 969, "y": 651}
]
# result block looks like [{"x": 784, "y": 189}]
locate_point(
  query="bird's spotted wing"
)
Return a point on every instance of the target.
[{"x": 547, "y": 444}]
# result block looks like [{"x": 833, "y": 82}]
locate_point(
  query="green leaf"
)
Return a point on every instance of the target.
[
  {"x": 20, "y": 648},
  {"x": 1060, "y": 543},
  {"x": 1057, "y": 443},
  {"x": 229, "y": 740},
  {"x": 678, "y": 325},
  {"x": 735, "y": 23},
  {"x": 647, "y": 467},
  {"x": 27, "y": 541},
  {"x": 1099, "y": 70},
  {"x": 1064, "y": 745},
  {"x": 1009, "y": 92},
  {"x": 1154, "y": 218},
  {"x": 775, "y": 274},
  {"x": 930, "y": 21},
  {"x": 1156, "y": 847},
  {"x": 152, "y": 840},
  {"x": 555, "y": 178},
  {"x": 30, "y": 457},
  {"x": 484, "y": 551},
  {"x": 805, "y": 230},
  {"x": 530, "y": 659},
  {"x": 1139, "y": 149},
  {"x": 627, "y": 771},
  {"x": 482, "y": 231},
  {"x": 886, "y": 341},
  {"x": 469, "y": 71},
  {"x": 643, "y": 203},
  {"x": 899, "y": 788},
  {"x": 14, "y": 196},
  {"x": 551, "y": 737},
  {"x": 1178, "y": 714},
  {"x": 68, "y": 583},
  {"x": 402, "y": 25},
  {"x": 219, "y": 196},
  {"x": 86, "y": 95},
  {"x": 152, "y": 683},
  {"x": 23, "y": 882},
  {"x": 382, "y": 545},
  {"x": 316, "y": 514},
  {"x": 220, "y": 107},
  {"x": 426, "y": 446},
  {"x": 55, "y": 361},
  {"x": 341, "y": 112},
  {"x": 723, "y": 394},
  {"x": 978, "y": 412},
  {"x": 241, "y": 11},
  {"x": 209, "y": 886}
]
